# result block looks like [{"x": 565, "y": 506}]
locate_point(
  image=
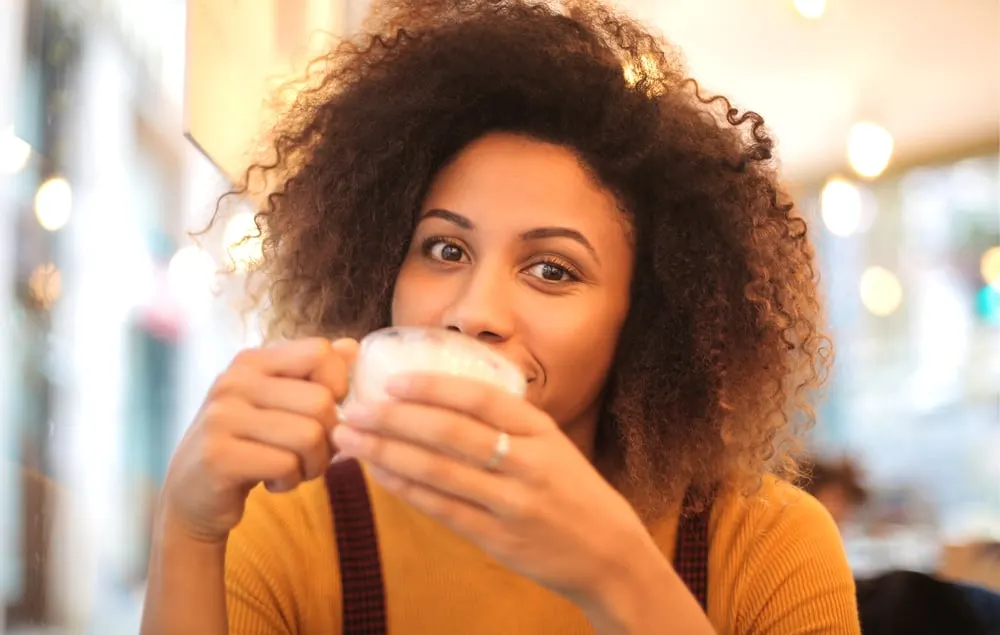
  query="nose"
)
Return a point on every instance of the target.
[{"x": 482, "y": 308}]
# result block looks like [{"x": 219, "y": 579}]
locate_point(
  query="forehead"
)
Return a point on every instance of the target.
[{"x": 505, "y": 179}]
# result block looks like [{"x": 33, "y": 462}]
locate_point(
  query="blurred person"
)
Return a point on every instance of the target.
[
  {"x": 912, "y": 603},
  {"x": 898, "y": 602},
  {"x": 552, "y": 184},
  {"x": 837, "y": 485}
]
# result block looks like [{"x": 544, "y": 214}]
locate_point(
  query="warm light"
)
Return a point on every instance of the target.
[
  {"x": 841, "y": 207},
  {"x": 869, "y": 148},
  {"x": 45, "y": 285},
  {"x": 649, "y": 70},
  {"x": 14, "y": 152},
  {"x": 242, "y": 241},
  {"x": 811, "y": 9},
  {"x": 191, "y": 272},
  {"x": 989, "y": 267},
  {"x": 53, "y": 203},
  {"x": 881, "y": 292}
]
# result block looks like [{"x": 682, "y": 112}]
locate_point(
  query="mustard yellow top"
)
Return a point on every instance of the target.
[{"x": 776, "y": 567}]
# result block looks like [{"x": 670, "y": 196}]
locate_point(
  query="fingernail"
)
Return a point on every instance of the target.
[
  {"x": 339, "y": 457},
  {"x": 357, "y": 413}
]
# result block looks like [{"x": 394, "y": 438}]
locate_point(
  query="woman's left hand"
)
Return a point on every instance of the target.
[{"x": 542, "y": 510}]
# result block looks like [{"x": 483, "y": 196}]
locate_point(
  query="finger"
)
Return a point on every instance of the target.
[
  {"x": 471, "y": 521},
  {"x": 495, "y": 492},
  {"x": 295, "y": 358},
  {"x": 333, "y": 371},
  {"x": 305, "y": 438},
  {"x": 445, "y": 431},
  {"x": 348, "y": 348},
  {"x": 242, "y": 462},
  {"x": 296, "y": 396},
  {"x": 480, "y": 400}
]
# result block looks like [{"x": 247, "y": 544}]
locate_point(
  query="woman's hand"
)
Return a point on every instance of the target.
[
  {"x": 542, "y": 510},
  {"x": 267, "y": 418}
]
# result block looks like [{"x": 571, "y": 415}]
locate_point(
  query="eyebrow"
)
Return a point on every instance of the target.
[{"x": 539, "y": 233}]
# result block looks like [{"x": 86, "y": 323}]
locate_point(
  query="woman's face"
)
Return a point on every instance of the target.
[{"x": 519, "y": 247}]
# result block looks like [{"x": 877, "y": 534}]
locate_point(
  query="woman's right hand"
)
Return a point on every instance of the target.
[{"x": 267, "y": 418}]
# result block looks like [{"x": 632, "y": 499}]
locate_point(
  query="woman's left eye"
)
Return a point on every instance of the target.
[{"x": 551, "y": 272}]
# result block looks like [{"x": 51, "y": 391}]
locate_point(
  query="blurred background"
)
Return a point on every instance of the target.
[{"x": 887, "y": 117}]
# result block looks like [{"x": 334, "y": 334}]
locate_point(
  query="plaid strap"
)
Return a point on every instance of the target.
[
  {"x": 691, "y": 554},
  {"x": 363, "y": 604}
]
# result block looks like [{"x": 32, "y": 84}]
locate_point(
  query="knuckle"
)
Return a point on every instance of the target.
[
  {"x": 310, "y": 348},
  {"x": 447, "y": 428},
  {"x": 320, "y": 345},
  {"x": 228, "y": 383},
  {"x": 435, "y": 470},
  {"x": 480, "y": 399},
  {"x": 314, "y": 436},
  {"x": 321, "y": 402},
  {"x": 521, "y": 505},
  {"x": 246, "y": 357},
  {"x": 374, "y": 447},
  {"x": 215, "y": 413},
  {"x": 287, "y": 468},
  {"x": 531, "y": 465}
]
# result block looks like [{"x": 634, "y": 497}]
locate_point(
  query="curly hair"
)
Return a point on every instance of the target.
[{"x": 723, "y": 343}]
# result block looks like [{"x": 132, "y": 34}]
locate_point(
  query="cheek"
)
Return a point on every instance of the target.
[
  {"x": 581, "y": 343},
  {"x": 415, "y": 301},
  {"x": 403, "y": 296}
]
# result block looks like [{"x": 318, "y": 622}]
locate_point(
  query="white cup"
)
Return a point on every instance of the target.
[{"x": 397, "y": 350}]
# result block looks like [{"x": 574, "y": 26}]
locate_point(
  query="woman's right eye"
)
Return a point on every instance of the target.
[{"x": 444, "y": 251}]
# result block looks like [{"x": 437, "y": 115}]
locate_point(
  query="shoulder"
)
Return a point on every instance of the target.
[
  {"x": 777, "y": 508},
  {"x": 779, "y": 557}
]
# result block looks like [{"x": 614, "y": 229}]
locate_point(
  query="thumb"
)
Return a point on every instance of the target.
[
  {"x": 335, "y": 369},
  {"x": 347, "y": 348}
]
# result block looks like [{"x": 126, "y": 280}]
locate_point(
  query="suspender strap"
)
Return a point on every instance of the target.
[
  {"x": 691, "y": 554},
  {"x": 363, "y": 605}
]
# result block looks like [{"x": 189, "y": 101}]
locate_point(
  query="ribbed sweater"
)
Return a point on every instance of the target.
[{"x": 776, "y": 567}]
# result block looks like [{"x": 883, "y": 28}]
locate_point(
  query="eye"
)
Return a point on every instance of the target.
[
  {"x": 551, "y": 271},
  {"x": 444, "y": 250}
]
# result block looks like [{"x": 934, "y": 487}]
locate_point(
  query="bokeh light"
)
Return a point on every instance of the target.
[
  {"x": 242, "y": 241},
  {"x": 869, "y": 149},
  {"x": 191, "y": 273},
  {"x": 988, "y": 304},
  {"x": 53, "y": 203},
  {"x": 881, "y": 291},
  {"x": 45, "y": 285},
  {"x": 811, "y": 9},
  {"x": 14, "y": 152},
  {"x": 989, "y": 267},
  {"x": 841, "y": 207}
]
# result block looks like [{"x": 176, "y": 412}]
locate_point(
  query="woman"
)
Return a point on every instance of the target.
[{"x": 550, "y": 184}]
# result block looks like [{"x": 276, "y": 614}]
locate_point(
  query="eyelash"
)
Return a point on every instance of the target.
[{"x": 572, "y": 275}]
